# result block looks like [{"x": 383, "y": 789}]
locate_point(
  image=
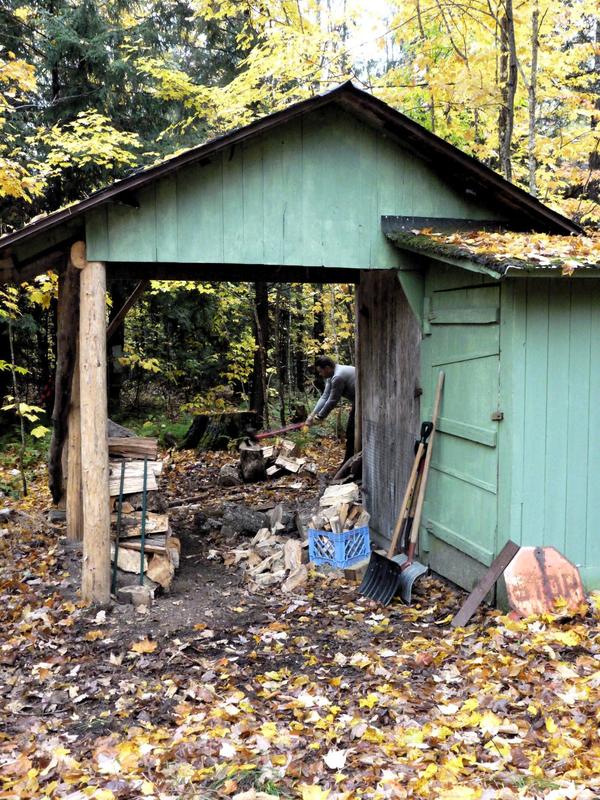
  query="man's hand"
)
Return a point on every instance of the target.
[{"x": 310, "y": 420}]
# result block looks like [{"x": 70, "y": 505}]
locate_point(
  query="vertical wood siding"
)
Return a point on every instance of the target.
[
  {"x": 389, "y": 345},
  {"x": 550, "y": 442},
  {"x": 310, "y": 193}
]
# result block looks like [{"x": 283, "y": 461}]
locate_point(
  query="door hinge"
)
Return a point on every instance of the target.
[{"x": 497, "y": 416}]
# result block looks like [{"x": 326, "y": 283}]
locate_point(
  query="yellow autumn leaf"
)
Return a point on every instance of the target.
[
  {"x": 369, "y": 701},
  {"x": 551, "y": 726},
  {"x": 313, "y": 792},
  {"x": 144, "y": 646},
  {"x": 569, "y": 638},
  {"x": 490, "y": 723},
  {"x": 459, "y": 793},
  {"x": 91, "y": 636}
]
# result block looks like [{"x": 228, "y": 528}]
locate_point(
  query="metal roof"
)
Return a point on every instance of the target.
[{"x": 460, "y": 169}]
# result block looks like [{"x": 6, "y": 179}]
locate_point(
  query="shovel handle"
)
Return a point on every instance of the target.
[
  {"x": 408, "y": 494},
  {"x": 414, "y": 534}
]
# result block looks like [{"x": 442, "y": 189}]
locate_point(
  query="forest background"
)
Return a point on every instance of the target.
[{"x": 92, "y": 90}]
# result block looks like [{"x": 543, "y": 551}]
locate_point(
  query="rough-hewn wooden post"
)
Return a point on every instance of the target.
[
  {"x": 74, "y": 499},
  {"x": 95, "y": 577},
  {"x": 357, "y": 363}
]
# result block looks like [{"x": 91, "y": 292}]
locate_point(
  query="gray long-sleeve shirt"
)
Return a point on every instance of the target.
[{"x": 341, "y": 384}]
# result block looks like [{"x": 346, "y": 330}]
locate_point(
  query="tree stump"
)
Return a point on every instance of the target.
[
  {"x": 252, "y": 463},
  {"x": 216, "y": 431}
]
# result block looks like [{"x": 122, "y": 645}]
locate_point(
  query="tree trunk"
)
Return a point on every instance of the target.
[
  {"x": 119, "y": 293},
  {"x": 217, "y": 431},
  {"x": 259, "y": 396},
  {"x": 95, "y": 576},
  {"x": 5, "y": 377},
  {"x": 67, "y": 326},
  {"x": 74, "y": 498},
  {"x": 508, "y": 82},
  {"x": 532, "y": 99},
  {"x": 281, "y": 336}
]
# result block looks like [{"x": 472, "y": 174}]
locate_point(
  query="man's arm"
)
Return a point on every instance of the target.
[
  {"x": 327, "y": 404},
  {"x": 322, "y": 400}
]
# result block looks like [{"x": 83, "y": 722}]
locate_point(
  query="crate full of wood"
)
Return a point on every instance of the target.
[{"x": 339, "y": 533}]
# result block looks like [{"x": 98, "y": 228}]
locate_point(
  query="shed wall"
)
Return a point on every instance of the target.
[
  {"x": 309, "y": 193},
  {"x": 389, "y": 344},
  {"x": 550, "y": 438}
]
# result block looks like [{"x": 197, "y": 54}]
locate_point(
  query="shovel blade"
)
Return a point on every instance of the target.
[
  {"x": 408, "y": 576},
  {"x": 381, "y": 580}
]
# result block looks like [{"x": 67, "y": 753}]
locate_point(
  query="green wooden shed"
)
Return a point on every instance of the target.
[{"x": 329, "y": 190}]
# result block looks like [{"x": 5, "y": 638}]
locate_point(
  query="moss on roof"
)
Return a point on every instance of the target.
[{"x": 501, "y": 251}]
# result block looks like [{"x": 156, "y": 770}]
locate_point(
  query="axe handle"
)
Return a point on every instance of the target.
[{"x": 268, "y": 434}]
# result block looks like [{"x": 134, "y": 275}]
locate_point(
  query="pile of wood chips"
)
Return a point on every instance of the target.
[
  {"x": 270, "y": 558},
  {"x": 340, "y": 510},
  {"x": 161, "y": 548}
]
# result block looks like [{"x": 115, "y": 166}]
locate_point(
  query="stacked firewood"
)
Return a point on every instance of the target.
[
  {"x": 340, "y": 510},
  {"x": 270, "y": 558},
  {"x": 272, "y": 461},
  {"x": 161, "y": 548}
]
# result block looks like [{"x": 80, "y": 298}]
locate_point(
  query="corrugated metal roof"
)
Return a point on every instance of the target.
[{"x": 459, "y": 168}]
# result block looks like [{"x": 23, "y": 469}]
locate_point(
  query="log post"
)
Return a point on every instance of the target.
[
  {"x": 67, "y": 322},
  {"x": 95, "y": 576},
  {"x": 74, "y": 500},
  {"x": 357, "y": 361}
]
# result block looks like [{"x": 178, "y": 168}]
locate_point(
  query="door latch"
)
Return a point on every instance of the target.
[{"x": 497, "y": 416}]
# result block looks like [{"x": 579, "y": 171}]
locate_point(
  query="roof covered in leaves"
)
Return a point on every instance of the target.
[{"x": 506, "y": 252}]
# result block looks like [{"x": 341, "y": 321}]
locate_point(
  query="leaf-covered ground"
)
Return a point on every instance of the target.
[{"x": 222, "y": 691}]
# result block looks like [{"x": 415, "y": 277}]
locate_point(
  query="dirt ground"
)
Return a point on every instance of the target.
[{"x": 225, "y": 690}]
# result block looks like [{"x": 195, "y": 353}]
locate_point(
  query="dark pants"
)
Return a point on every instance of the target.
[{"x": 350, "y": 435}]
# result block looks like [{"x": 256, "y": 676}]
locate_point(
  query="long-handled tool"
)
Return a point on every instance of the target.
[
  {"x": 256, "y": 437},
  {"x": 386, "y": 576},
  {"x": 382, "y": 578}
]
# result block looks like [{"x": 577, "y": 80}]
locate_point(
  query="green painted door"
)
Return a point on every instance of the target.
[{"x": 462, "y": 337}]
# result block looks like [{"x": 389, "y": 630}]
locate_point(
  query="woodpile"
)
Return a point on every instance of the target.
[
  {"x": 271, "y": 461},
  {"x": 161, "y": 548},
  {"x": 271, "y": 559},
  {"x": 340, "y": 510}
]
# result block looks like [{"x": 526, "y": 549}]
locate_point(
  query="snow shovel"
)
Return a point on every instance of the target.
[
  {"x": 386, "y": 576},
  {"x": 382, "y": 578}
]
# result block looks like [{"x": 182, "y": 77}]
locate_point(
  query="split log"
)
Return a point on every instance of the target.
[
  {"x": 293, "y": 465},
  {"x": 216, "y": 431},
  {"x": 154, "y": 502},
  {"x": 67, "y": 325},
  {"x": 132, "y": 523},
  {"x": 134, "y": 477},
  {"x": 252, "y": 462},
  {"x": 134, "y": 447}
]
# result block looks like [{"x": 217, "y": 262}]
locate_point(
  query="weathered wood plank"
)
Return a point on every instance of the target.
[
  {"x": 389, "y": 377},
  {"x": 486, "y": 582}
]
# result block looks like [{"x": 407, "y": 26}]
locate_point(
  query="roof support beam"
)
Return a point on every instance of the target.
[
  {"x": 122, "y": 312},
  {"x": 95, "y": 576}
]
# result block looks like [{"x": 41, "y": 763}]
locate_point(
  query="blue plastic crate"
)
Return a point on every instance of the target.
[{"x": 341, "y": 550}]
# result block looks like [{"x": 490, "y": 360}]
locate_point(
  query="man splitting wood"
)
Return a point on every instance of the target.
[{"x": 340, "y": 381}]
